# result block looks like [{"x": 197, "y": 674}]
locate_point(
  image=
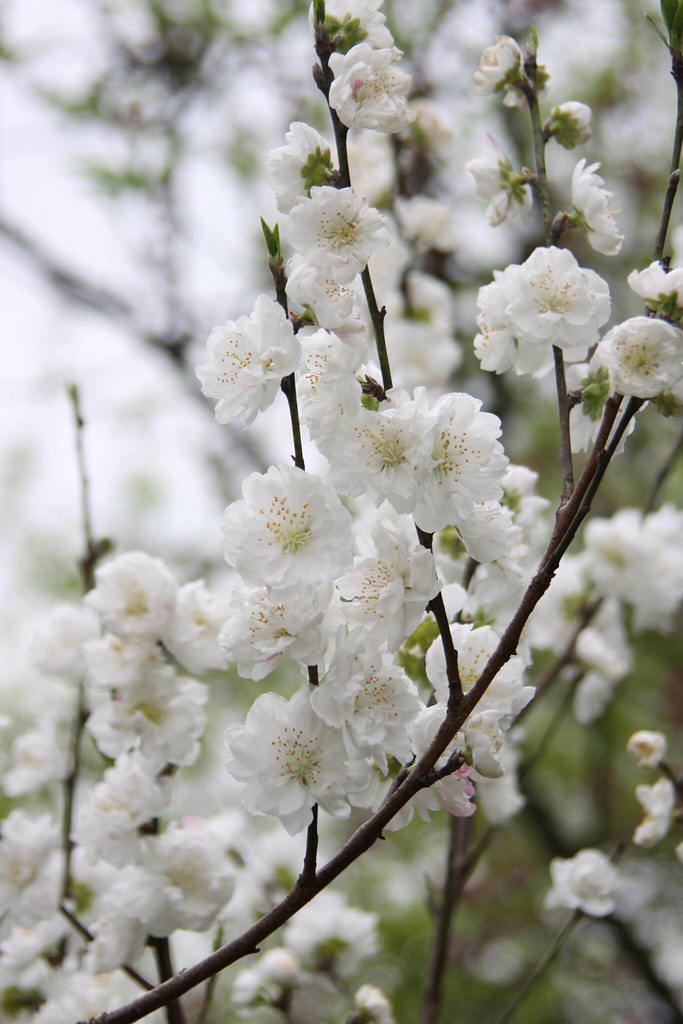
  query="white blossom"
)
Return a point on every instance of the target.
[
  {"x": 373, "y": 1006},
  {"x": 662, "y": 289},
  {"x": 558, "y": 303},
  {"x": 368, "y": 91},
  {"x": 288, "y": 528},
  {"x": 381, "y": 453},
  {"x": 454, "y": 792},
  {"x": 367, "y": 695},
  {"x": 134, "y": 594},
  {"x": 658, "y": 802},
  {"x": 467, "y": 460},
  {"x": 500, "y": 67},
  {"x": 591, "y": 203},
  {"x": 548, "y": 300},
  {"x": 246, "y": 360},
  {"x": 276, "y": 972},
  {"x": 164, "y": 717},
  {"x": 289, "y": 759},
  {"x": 391, "y": 582},
  {"x": 427, "y": 222},
  {"x": 638, "y": 559},
  {"x": 585, "y": 882},
  {"x": 647, "y": 748},
  {"x": 57, "y": 645},
  {"x": 118, "y": 663},
  {"x": 319, "y": 283},
  {"x": 263, "y": 624},
  {"x": 329, "y": 934},
  {"x": 192, "y": 633},
  {"x": 37, "y": 759},
  {"x": 183, "y": 882},
  {"x": 130, "y": 795},
  {"x": 569, "y": 123},
  {"x": 29, "y": 867},
  {"x": 338, "y": 224},
  {"x": 506, "y": 695},
  {"x": 509, "y": 194},
  {"x": 644, "y": 356},
  {"x": 305, "y": 157}
]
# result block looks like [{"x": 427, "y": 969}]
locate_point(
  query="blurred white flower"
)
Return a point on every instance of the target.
[
  {"x": 585, "y": 882},
  {"x": 647, "y": 748}
]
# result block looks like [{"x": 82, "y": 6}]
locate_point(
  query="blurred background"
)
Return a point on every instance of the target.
[{"x": 132, "y": 149}]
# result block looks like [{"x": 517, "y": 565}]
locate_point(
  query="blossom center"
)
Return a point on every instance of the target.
[
  {"x": 297, "y": 757},
  {"x": 289, "y": 528}
]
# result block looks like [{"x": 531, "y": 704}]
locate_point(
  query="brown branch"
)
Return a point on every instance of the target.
[{"x": 458, "y": 867}]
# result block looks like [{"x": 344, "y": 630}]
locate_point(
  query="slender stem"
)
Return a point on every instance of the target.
[
  {"x": 539, "y": 141},
  {"x": 540, "y": 969},
  {"x": 288, "y": 386},
  {"x": 438, "y": 609},
  {"x": 565, "y": 658},
  {"x": 458, "y": 867},
  {"x": 553, "y": 725},
  {"x": 79, "y": 720},
  {"x": 565, "y": 431},
  {"x": 211, "y": 983},
  {"x": 674, "y": 173},
  {"x": 311, "y": 854},
  {"x": 162, "y": 953},
  {"x": 87, "y": 563},
  {"x": 543, "y": 192},
  {"x": 89, "y": 937},
  {"x": 377, "y": 316},
  {"x": 634, "y": 404},
  {"x": 324, "y": 78},
  {"x": 663, "y": 473}
]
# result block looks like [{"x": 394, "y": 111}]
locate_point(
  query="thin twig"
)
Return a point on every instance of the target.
[
  {"x": 458, "y": 868},
  {"x": 674, "y": 172},
  {"x": 87, "y": 563},
  {"x": 162, "y": 952},
  {"x": 665, "y": 469},
  {"x": 541, "y": 967},
  {"x": 438, "y": 609},
  {"x": 288, "y": 386},
  {"x": 323, "y": 79},
  {"x": 564, "y": 659},
  {"x": 85, "y": 933},
  {"x": 543, "y": 193}
]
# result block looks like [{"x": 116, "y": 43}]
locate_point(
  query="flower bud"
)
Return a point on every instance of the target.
[
  {"x": 647, "y": 748},
  {"x": 569, "y": 124}
]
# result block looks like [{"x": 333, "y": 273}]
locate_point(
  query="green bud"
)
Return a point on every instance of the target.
[
  {"x": 14, "y": 1000},
  {"x": 672, "y": 13},
  {"x": 345, "y": 33},
  {"x": 369, "y": 402},
  {"x": 317, "y": 169},
  {"x": 595, "y": 390},
  {"x": 318, "y": 12},
  {"x": 667, "y": 404},
  {"x": 569, "y": 124},
  {"x": 424, "y": 635},
  {"x": 272, "y": 239}
]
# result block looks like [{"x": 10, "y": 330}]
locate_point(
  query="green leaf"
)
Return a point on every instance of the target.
[
  {"x": 318, "y": 12},
  {"x": 272, "y": 239}
]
